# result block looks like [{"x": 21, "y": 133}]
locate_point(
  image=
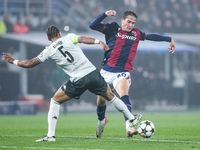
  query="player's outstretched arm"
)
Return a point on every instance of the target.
[
  {"x": 157, "y": 37},
  {"x": 89, "y": 40},
  {"x": 172, "y": 46},
  {"x": 96, "y": 23},
  {"x": 24, "y": 64}
]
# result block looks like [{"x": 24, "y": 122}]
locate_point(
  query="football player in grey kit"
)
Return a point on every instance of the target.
[{"x": 83, "y": 76}]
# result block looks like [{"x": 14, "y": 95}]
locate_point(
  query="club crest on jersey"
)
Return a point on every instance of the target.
[{"x": 134, "y": 33}]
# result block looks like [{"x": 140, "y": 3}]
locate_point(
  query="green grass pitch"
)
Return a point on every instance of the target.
[{"x": 174, "y": 131}]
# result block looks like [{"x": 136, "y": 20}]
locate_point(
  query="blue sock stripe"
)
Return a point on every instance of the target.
[{"x": 127, "y": 102}]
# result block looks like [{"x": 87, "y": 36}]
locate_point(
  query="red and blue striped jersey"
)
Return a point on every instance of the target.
[{"x": 122, "y": 45}]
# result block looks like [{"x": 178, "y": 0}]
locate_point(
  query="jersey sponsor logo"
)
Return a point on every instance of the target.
[
  {"x": 80, "y": 65},
  {"x": 124, "y": 36}
]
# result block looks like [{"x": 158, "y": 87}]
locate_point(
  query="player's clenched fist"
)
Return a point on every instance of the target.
[{"x": 110, "y": 13}]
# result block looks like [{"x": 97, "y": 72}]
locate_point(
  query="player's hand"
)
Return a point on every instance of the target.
[
  {"x": 110, "y": 13},
  {"x": 7, "y": 58},
  {"x": 105, "y": 46},
  {"x": 172, "y": 46}
]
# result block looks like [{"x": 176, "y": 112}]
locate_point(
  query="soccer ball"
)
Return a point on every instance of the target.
[{"x": 146, "y": 129}]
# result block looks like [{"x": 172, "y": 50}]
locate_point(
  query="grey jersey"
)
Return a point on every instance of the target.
[{"x": 68, "y": 56}]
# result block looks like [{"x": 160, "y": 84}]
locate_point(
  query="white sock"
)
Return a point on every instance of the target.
[
  {"x": 127, "y": 123},
  {"x": 53, "y": 115},
  {"x": 120, "y": 106}
]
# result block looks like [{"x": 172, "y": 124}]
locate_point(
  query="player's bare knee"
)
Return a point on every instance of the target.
[{"x": 109, "y": 95}]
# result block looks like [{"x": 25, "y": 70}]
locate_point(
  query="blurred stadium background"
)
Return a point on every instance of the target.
[{"x": 160, "y": 81}]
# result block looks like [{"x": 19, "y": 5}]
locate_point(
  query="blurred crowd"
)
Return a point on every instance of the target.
[
  {"x": 169, "y": 16},
  {"x": 160, "y": 16}
]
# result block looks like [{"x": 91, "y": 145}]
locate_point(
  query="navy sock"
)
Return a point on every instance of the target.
[
  {"x": 101, "y": 110},
  {"x": 127, "y": 102}
]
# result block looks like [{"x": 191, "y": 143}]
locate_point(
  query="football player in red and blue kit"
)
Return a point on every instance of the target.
[{"x": 117, "y": 63}]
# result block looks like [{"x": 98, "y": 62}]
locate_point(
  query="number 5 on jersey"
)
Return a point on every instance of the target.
[{"x": 70, "y": 58}]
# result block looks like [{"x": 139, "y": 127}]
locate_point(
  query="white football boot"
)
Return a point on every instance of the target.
[
  {"x": 100, "y": 127},
  {"x": 47, "y": 139},
  {"x": 130, "y": 124}
]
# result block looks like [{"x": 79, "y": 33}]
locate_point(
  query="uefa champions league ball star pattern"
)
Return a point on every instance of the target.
[{"x": 146, "y": 129}]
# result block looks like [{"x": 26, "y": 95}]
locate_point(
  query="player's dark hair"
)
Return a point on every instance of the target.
[
  {"x": 131, "y": 13},
  {"x": 52, "y": 32}
]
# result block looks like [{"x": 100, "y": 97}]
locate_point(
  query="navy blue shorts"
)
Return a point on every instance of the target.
[{"x": 93, "y": 82}]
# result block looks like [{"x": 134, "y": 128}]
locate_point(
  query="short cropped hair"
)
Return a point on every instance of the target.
[
  {"x": 131, "y": 13},
  {"x": 52, "y": 32}
]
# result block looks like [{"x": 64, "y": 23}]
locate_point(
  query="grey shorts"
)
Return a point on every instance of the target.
[{"x": 93, "y": 82}]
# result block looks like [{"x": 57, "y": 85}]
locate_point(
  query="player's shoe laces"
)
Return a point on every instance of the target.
[
  {"x": 100, "y": 127},
  {"x": 130, "y": 130},
  {"x": 47, "y": 139}
]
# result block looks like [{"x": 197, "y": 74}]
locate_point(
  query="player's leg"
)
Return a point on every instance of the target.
[
  {"x": 120, "y": 106},
  {"x": 101, "y": 107},
  {"x": 102, "y": 120},
  {"x": 101, "y": 102},
  {"x": 53, "y": 114},
  {"x": 122, "y": 86},
  {"x": 54, "y": 110},
  {"x": 100, "y": 87},
  {"x": 117, "y": 103}
]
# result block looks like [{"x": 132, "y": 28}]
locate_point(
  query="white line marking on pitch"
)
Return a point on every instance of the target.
[
  {"x": 14, "y": 147},
  {"x": 92, "y": 137},
  {"x": 113, "y": 138}
]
